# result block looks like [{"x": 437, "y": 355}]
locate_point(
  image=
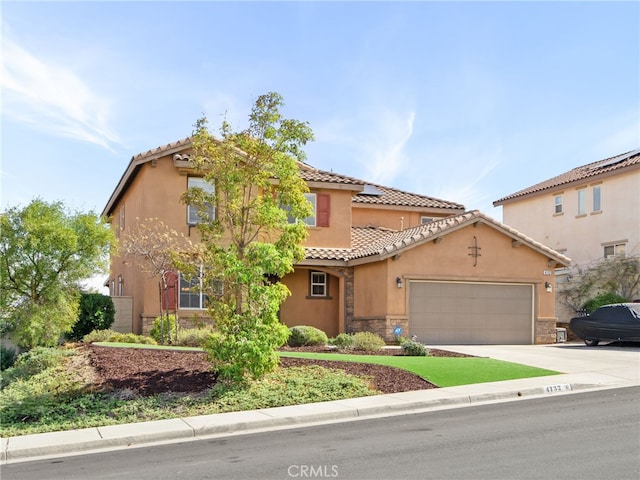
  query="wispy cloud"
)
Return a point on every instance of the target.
[
  {"x": 386, "y": 149},
  {"x": 52, "y": 98}
]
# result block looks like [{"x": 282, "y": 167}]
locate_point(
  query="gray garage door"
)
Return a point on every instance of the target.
[{"x": 443, "y": 313}]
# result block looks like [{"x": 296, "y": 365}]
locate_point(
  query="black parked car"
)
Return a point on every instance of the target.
[{"x": 618, "y": 321}]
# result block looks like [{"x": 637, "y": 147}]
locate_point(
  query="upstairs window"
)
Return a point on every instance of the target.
[
  {"x": 320, "y": 203},
  {"x": 597, "y": 205},
  {"x": 424, "y": 220},
  {"x": 193, "y": 216},
  {"x": 558, "y": 204},
  {"x": 582, "y": 201}
]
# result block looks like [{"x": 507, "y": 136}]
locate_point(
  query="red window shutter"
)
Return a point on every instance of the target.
[
  {"x": 322, "y": 210},
  {"x": 169, "y": 294}
]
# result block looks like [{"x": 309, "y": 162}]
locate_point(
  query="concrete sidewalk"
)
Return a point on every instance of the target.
[{"x": 584, "y": 368}]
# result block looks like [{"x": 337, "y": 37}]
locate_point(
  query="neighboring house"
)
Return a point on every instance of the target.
[
  {"x": 377, "y": 259},
  {"x": 588, "y": 213}
]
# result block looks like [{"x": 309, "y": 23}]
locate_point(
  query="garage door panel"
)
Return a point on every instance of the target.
[{"x": 471, "y": 313}]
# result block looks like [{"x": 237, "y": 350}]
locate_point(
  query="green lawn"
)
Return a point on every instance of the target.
[{"x": 441, "y": 371}]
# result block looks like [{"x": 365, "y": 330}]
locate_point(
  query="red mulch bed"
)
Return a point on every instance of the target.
[{"x": 150, "y": 371}]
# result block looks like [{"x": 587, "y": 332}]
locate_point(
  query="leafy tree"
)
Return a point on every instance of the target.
[
  {"x": 45, "y": 252},
  {"x": 249, "y": 242},
  {"x": 97, "y": 312},
  {"x": 619, "y": 276},
  {"x": 159, "y": 250}
]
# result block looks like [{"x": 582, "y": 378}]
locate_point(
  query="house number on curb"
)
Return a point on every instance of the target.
[{"x": 563, "y": 387}]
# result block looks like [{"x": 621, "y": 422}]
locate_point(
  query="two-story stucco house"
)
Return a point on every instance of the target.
[
  {"x": 588, "y": 213},
  {"x": 377, "y": 259}
]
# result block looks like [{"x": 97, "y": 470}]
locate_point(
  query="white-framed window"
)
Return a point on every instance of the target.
[
  {"x": 582, "y": 201},
  {"x": 557, "y": 204},
  {"x": 190, "y": 295},
  {"x": 614, "y": 250},
  {"x": 312, "y": 199},
  {"x": 318, "y": 286},
  {"x": 424, "y": 220},
  {"x": 193, "y": 218},
  {"x": 112, "y": 288},
  {"x": 597, "y": 198},
  {"x": 321, "y": 205},
  {"x": 120, "y": 285}
]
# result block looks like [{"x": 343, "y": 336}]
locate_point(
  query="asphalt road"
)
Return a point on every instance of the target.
[{"x": 591, "y": 435}]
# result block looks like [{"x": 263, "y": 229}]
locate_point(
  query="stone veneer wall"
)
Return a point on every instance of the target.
[
  {"x": 383, "y": 326},
  {"x": 545, "y": 330}
]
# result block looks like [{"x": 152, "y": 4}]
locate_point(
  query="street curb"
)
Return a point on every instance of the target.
[{"x": 95, "y": 439}]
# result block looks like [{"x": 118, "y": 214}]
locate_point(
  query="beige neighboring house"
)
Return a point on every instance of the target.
[
  {"x": 588, "y": 213},
  {"x": 377, "y": 259}
]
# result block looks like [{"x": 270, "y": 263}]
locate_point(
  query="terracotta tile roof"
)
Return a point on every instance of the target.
[
  {"x": 393, "y": 196},
  {"x": 340, "y": 254},
  {"x": 379, "y": 243},
  {"x": 588, "y": 171},
  {"x": 315, "y": 175},
  {"x": 368, "y": 194},
  {"x": 159, "y": 151}
]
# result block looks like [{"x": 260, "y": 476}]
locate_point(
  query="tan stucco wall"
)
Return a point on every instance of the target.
[
  {"x": 378, "y": 295},
  {"x": 154, "y": 193},
  {"x": 581, "y": 238},
  {"x": 338, "y": 234},
  {"x": 298, "y": 309},
  {"x": 394, "y": 218}
]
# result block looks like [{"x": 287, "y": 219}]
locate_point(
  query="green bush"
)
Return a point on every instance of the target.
[
  {"x": 164, "y": 329},
  {"x": 8, "y": 356},
  {"x": 305, "y": 335},
  {"x": 132, "y": 338},
  {"x": 96, "y": 313},
  {"x": 113, "y": 336},
  {"x": 193, "y": 337},
  {"x": 368, "y": 341},
  {"x": 343, "y": 341},
  {"x": 33, "y": 362},
  {"x": 603, "y": 299},
  {"x": 414, "y": 349},
  {"x": 99, "y": 336}
]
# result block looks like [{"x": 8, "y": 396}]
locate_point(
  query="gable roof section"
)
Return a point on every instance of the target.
[
  {"x": 590, "y": 171},
  {"x": 371, "y": 244},
  {"x": 134, "y": 165},
  {"x": 314, "y": 177}
]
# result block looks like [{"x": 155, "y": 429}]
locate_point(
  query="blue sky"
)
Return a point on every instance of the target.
[{"x": 464, "y": 101}]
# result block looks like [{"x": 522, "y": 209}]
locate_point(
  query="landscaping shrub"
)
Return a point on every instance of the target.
[
  {"x": 96, "y": 312},
  {"x": 193, "y": 337},
  {"x": 132, "y": 338},
  {"x": 305, "y": 335},
  {"x": 8, "y": 355},
  {"x": 164, "y": 329},
  {"x": 33, "y": 362},
  {"x": 343, "y": 341},
  {"x": 603, "y": 299},
  {"x": 368, "y": 341},
  {"x": 99, "y": 336},
  {"x": 414, "y": 349},
  {"x": 113, "y": 336}
]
